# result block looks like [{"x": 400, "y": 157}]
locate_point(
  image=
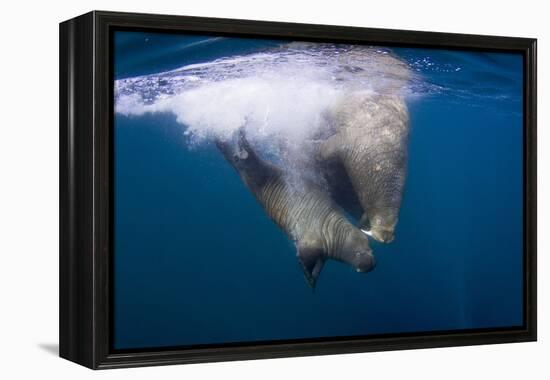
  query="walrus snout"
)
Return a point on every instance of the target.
[
  {"x": 357, "y": 253},
  {"x": 382, "y": 227},
  {"x": 383, "y": 235},
  {"x": 365, "y": 262}
]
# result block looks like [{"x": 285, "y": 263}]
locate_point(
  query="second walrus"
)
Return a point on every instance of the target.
[
  {"x": 306, "y": 213},
  {"x": 370, "y": 142}
]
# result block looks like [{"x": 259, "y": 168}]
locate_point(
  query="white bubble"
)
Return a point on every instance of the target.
[{"x": 281, "y": 96}]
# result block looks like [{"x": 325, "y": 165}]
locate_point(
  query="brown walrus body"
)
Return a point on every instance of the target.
[
  {"x": 306, "y": 213},
  {"x": 370, "y": 142}
]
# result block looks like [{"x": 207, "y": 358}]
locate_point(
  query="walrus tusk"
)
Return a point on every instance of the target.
[{"x": 368, "y": 233}]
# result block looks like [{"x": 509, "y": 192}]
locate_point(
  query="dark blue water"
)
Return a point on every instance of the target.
[{"x": 196, "y": 260}]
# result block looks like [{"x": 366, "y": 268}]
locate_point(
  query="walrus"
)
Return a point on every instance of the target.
[
  {"x": 370, "y": 143},
  {"x": 306, "y": 214}
]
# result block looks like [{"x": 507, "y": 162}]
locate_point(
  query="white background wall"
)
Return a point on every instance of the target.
[{"x": 29, "y": 187}]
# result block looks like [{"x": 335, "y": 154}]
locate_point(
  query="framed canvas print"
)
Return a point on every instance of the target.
[{"x": 237, "y": 189}]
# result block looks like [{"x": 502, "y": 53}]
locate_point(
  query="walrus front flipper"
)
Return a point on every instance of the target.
[{"x": 311, "y": 258}]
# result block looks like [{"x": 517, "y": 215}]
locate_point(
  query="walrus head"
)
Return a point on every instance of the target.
[
  {"x": 380, "y": 224},
  {"x": 352, "y": 249},
  {"x": 357, "y": 252}
]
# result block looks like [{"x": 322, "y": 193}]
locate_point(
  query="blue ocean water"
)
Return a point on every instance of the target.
[{"x": 196, "y": 260}]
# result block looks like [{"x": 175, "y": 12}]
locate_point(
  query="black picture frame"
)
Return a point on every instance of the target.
[{"x": 86, "y": 154}]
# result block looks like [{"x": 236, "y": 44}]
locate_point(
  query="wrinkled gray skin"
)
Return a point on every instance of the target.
[
  {"x": 307, "y": 216},
  {"x": 370, "y": 142}
]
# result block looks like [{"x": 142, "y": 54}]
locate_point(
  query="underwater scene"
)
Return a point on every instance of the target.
[{"x": 274, "y": 190}]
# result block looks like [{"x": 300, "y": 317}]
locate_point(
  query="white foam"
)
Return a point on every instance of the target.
[
  {"x": 283, "y": 92},
  {"x": 281, "y": 96}
]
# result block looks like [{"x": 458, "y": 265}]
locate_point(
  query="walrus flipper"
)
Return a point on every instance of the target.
[{"x": 311, "y": 257}]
